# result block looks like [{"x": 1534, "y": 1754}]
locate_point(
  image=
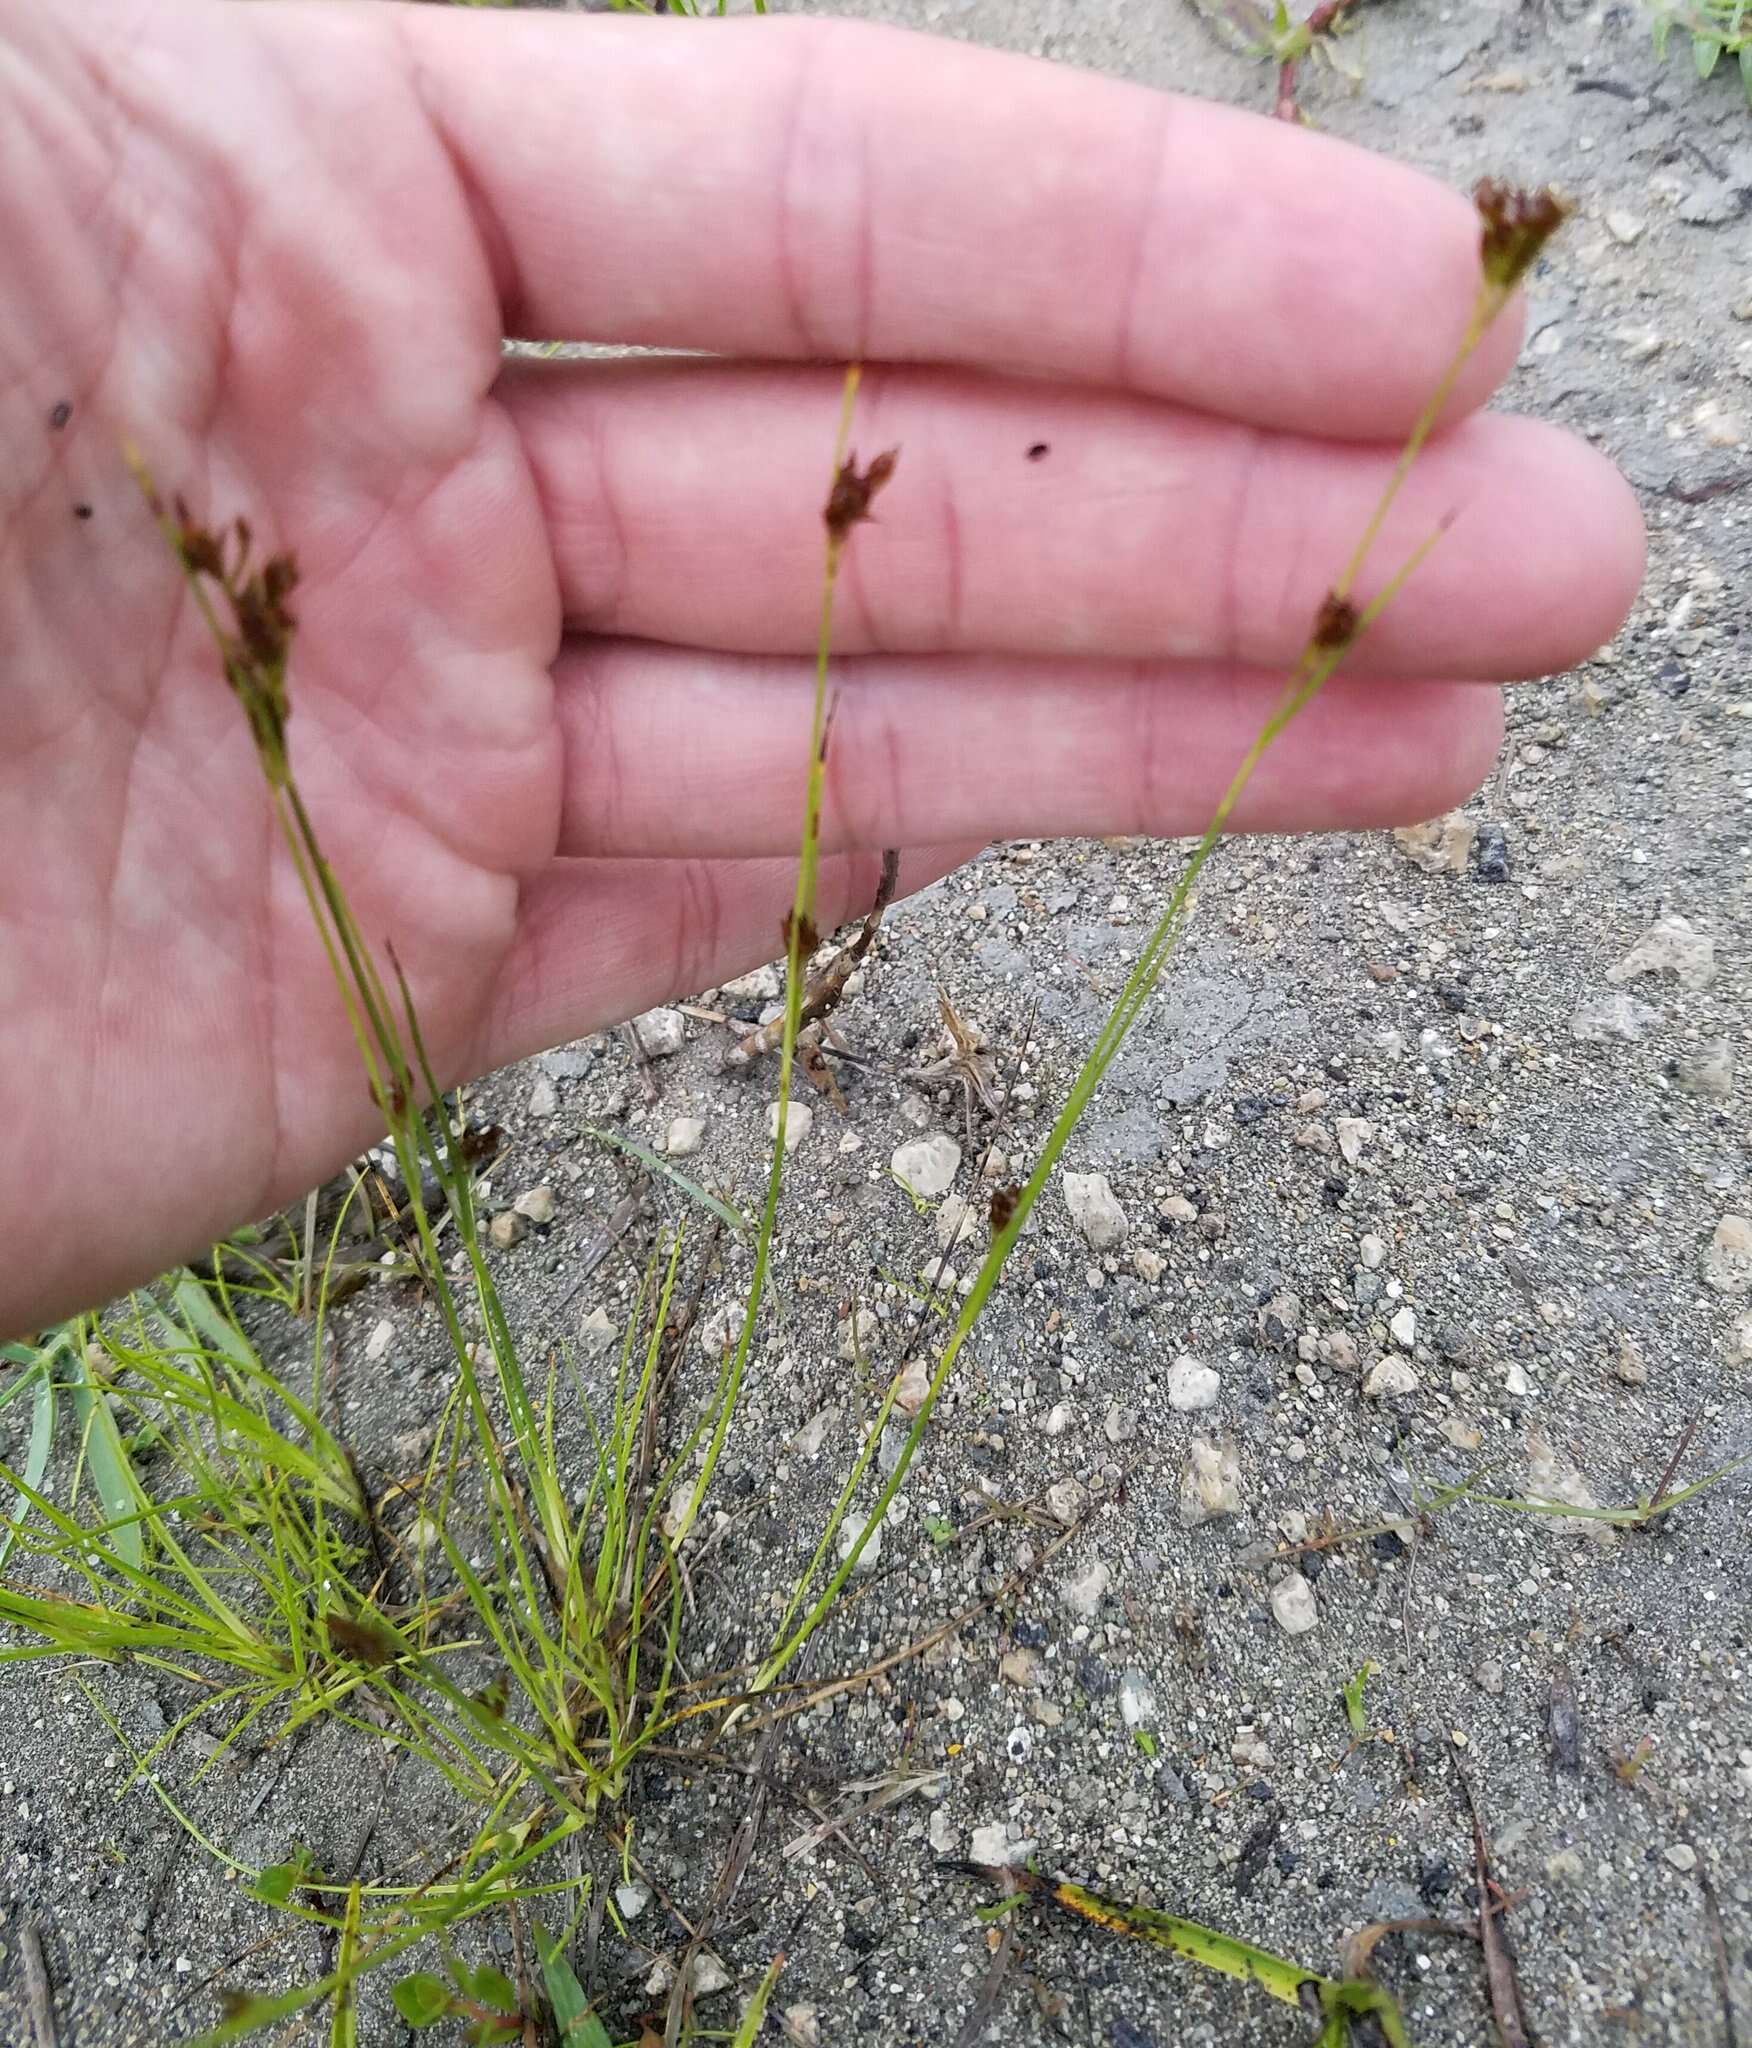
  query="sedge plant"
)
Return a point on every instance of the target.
[
  {"x": 231, "y": 1544},
  {"x": 257, "y": 1572}
]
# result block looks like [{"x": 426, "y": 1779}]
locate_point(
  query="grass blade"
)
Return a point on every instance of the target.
[
  {"x": 117, "y": 1488},
  {"x": 39, "y": 1377},
  {"x": 578, "y": 2026},
  {"x": 1337, "y": 2002},
  {"x": 733, "y": 1219},
  {"x": 747, "y": 2032}
]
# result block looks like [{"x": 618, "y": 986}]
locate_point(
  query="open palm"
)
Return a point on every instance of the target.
[{"x": 1145, "y": 361}]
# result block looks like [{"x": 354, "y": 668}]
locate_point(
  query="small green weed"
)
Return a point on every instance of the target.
[
  {"x": 1356, "y": 1714},
  {"x": 483, "y": 1996},
  {"x": 1271, "y": 35},
  {"x": 1714, "y": 28}
]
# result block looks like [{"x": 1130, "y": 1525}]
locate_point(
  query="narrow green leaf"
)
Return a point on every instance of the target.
[
  {"x": 1706, "y": 54},
  {"x": 39, "y": 1378},
  {"x": 1000, "y": 1909},
  {"x": 755, "y": 2010},
  {"x": 578, "y": 2025},
  {"x": 221, "y": 1335},
  {"x": 243, "y": 2008},
  {"x": 733, "y": 1219},
  {"x": 1354, "y": 1710},
  {"x": 114, "y": 1477},
  {"x": 344, "y": 2023}
]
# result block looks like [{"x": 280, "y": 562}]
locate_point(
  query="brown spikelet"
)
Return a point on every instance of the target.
[
  {"x": 849, "y": 500},
  {"x": 197, "y": 547},
  {"x": 1335, "y": 624},
  {"x": 1517, "y": 224},
  {"x": 1003, "y": 1207}
]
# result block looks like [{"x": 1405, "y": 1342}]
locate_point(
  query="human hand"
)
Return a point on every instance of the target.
[{"x": 551, "y": 680}]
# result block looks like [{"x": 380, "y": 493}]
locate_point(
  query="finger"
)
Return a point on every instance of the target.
[
  {"x": 671, "y": 755},
  {"x": 684, "y": 504},
  {"x": 816, "y": 189},
  {"x": 601, "y": 940}
]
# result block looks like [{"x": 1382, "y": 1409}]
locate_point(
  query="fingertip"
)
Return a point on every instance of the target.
[
  {"x": 1445, "y": 739},
  {"x": 1570, "y": 557},
  {"x": 1374, "y": 753},
  {"x": 1465, "y": 737},
  {"x": 1620, "y": 549}
]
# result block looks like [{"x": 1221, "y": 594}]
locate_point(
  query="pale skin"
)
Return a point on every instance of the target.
[{"x": 552, "y": 675}]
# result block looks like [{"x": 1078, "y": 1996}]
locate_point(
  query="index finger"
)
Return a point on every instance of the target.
[{"x": 822, "y": 189}]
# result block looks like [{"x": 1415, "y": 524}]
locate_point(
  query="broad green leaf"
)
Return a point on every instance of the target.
[
  {"x": 276, "y": 1884},
  {"x": 1706, "y": 54},
  {"x": 492, "y": 1987},
  {"x": 421, "y": 1999}
]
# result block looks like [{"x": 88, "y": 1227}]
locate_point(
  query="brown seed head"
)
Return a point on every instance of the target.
[
  {"x": 1335, "y": 624},
  {"x": 1003, "y": 1207},
  {"x": 197, "y": 547},
  {"x": 493, "y": 1699},
  {"x": 1517, "y": 224},
  {"x": 849, "y": 500},
  {"x": 264, "y": 620}
]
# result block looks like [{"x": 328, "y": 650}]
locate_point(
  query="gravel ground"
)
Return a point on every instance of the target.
[{"x": 1416, "y": 1167}]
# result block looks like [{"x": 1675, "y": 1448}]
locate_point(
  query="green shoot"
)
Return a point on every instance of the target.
[
  {"x": 1355, "y": 1712},
  {"x": 733, "y": 1219},
  {"x": 242, "y": 1554},
  {"x": 754, "y": 2013}
]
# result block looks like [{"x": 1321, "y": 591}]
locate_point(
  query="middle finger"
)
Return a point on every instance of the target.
[{"x": 683, "y": 500}]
